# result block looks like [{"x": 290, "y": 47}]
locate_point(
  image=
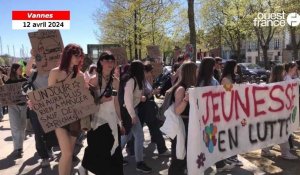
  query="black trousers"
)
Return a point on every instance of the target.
[
  {"x": 178, "y": 166},
  {"x": 147, "y": 114},
  {"x": 97, "y": 157}
]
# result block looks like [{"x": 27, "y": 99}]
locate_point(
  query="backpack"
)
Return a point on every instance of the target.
[
  {"x": 126, "y": 118},
  {"x": 166, "y": 104},
  {"x": 28, "y": 86}
]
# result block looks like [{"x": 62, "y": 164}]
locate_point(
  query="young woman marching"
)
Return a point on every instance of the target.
[
  {"x": 17, "y": 113},
  {"x": 69, "y": 68},
  {"x": 187, "y": 79},
  {"x": 103, "y": 154}
]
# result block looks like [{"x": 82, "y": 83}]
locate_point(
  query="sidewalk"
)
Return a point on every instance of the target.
[{"x": 29, "y": 164}]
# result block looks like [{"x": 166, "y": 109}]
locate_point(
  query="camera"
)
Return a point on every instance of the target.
[{"x": 110, "y": 92}]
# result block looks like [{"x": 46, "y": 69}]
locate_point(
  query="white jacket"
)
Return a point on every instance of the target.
[
  {"x": 132, "y": 97},
  {"x": 173, "y": 127}
]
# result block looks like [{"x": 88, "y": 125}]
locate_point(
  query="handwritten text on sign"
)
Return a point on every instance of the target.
[
  {"x": 48, "y": 46},
  {"x": 154, "y": 52},
  {"x": 62, "y": 103},
  {"x": 11, "y": 94},
  {"x": 232, "y": 119}
]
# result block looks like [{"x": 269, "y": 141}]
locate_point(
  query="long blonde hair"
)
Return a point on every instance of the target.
[{"x": 187, "y": 76}]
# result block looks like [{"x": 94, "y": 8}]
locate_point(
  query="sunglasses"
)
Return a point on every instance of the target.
[{"x": 109, "y": 58}]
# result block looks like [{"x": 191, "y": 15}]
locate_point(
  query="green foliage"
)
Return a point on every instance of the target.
[
  {"x": 117, "y": 24},
  {"x": 4, "y": 59}
]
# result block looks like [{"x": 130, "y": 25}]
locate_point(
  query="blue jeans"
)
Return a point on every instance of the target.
[
  {"x": 17, "y": 120},
  {"x": 137, "y": 132}
]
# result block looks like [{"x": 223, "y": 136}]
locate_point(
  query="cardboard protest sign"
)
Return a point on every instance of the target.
[
  {"x": 86, "y": 63},
  {"x": 11, "y": 94},
  {"x": 176, "y": 54},
  {"x": 62, "y": 103},
  {"x": 157, "y": 69},
  {"x": 189, "y": 50},
  {"x": 154, "y": 52},
  {"x": 120, "y": 54},
  {"x": 47, "y": 46},
  {"x": 233, "y": 119}
]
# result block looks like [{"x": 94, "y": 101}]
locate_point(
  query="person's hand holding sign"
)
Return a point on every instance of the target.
[
  {"x": 30, "y": 105},
  {"x": 186, "y": 97}
]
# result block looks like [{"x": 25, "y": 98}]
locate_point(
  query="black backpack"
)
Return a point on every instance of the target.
[
  {"x": 28, "y": 85},
  {"x": 126, "y": 118}
]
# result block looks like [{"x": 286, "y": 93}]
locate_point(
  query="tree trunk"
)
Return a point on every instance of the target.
[
  {"x": 140, "y": 34},
  {"x": 238, "y": 51},
  {"x": 130, "y": 49},
  {"x": 220, "y": 41},
  {"x": 258, "y": 51},
  {"x": 153, "y": 32},
  {"x": 140, "y": 45},
  {"x": 135, "y": 35},
  {"x": 294, "y": 43},
  {"x": 191, "y": 17},
  {"x": 265, "y": 55}
]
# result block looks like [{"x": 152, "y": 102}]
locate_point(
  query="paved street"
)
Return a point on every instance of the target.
[{"x": 254, "y": 164}]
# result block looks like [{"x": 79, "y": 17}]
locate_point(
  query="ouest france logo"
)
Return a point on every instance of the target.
[{"x": 277, "y": 19}]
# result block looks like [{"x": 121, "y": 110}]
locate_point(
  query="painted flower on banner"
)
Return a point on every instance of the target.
[
  {"x": 244, "y": 122},
  {"x": 209, "y": 137},
  {"x": 201, "y": 159},
  {"x": 294, "y": 114},
  {"x": 228, "y": 87}
]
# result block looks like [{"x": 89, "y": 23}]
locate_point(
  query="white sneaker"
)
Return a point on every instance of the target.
[
  {"x": 289, "y": 156},
  {"x": 227, "y": 167}
]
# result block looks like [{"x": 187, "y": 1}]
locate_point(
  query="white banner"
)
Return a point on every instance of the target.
[{"x": 233, "y": 119}]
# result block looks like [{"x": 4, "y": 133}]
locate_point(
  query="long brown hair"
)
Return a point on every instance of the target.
[
  {"x": 206, "y": 71},
  {"x": 276, "y": 74},
  {"x": 13, "y": 71},
  {"x": 66, "y": 57},
  {"x": 187, "y": 77}
]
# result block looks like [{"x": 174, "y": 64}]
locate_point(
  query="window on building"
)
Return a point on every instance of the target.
[
  {"x": 95, "y": 53},
  {"x": 249, "y": 45},
  {"x": 249, "y": 59},
  {"x": 276, "y": 44}
]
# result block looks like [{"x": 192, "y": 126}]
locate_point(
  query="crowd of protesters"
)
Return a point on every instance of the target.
[{"x": 125, "y": 96}]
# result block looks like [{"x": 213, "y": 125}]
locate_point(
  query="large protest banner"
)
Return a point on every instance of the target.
[
  {"x": 62, "y": 103},
  {"x": 232, "y": 119},
  {"x": 11, "y": 94},
  {"x": 120, "y": 54},
  {"x": 47, "y": 46}
]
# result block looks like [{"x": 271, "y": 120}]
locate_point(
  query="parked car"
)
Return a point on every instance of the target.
[{"x": 253, "y": 72}]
